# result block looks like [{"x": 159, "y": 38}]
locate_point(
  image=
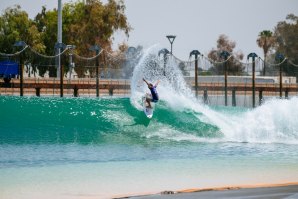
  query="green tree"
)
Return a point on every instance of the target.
[
  {"x": 287, "y": 42},
  {"x": 15, "y": 25},
  {"x": 85, "y": 23},
  {"x": 265, "y": 41},
  {"x": 234, "y": 66}
]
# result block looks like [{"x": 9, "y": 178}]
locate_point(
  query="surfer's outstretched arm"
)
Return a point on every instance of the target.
[
  {"x": 157, "y": 83},
  {"x": 145, "y": 81}
]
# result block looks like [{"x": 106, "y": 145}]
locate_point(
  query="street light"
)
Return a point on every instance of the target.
[
  {"x": 96, "y": 48},
  {"x": 171, "y": 39},
  {"x": 253, "y": 56},
  {"x": 71, "y": 63},
  {"x": 196, "y": 53},
  {"x": 21, "y": 65},
  {"x": 280, "y": 57},
  {"x": 59, "y": 37},
  {"x": 225, "y": 55},
  {"x": 59, "y": 48}
]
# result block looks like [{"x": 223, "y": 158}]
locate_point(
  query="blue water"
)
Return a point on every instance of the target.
[{"x": 107, "y": 147}]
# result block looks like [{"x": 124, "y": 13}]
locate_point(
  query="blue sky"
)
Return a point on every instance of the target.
[{"x": 196, "y": 23}]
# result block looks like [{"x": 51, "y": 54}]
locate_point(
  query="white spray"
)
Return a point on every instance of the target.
[{"x": 275, "y": 121}]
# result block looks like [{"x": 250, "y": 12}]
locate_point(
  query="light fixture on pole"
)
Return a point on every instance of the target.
[
  {"x": 225, "y": 55},
  {"x": 71, "y": 63},
  {"x": 97, "y": 49},
  {"x": 21, "y": 66},
  {"x": 196, "y": 53},
  {"x": 253, "y": 56},
  {"x": 59, "y": 37},
  {"x": 171, "y": 39},
  {"x": 59, "y": 48},
  {"x": 280, "y": 57}
]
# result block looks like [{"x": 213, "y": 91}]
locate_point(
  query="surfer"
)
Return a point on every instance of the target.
[{"x": 154, "y": 95}]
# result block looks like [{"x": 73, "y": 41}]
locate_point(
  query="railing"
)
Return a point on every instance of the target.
[{"x": 239, "y": 93}]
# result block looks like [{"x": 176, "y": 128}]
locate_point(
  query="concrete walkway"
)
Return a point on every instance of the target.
[{"x": 282, "y": 192}]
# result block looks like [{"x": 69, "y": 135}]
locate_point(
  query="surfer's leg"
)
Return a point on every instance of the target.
[{"x": 149, "y": 102}]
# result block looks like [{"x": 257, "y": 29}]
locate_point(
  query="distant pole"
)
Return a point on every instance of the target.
[
  {"x": 253, "y": 56},
  {"x": 264, "y": 69},
  {"x": 71, "y": 63},
  {"x": 21, "y": 66},
  {"x": 205, "y": 96},
  {"x": 195, "y": 53},
  {"x": 225, "y": 55},
  {"x": 97, "y": 74},
  {"x": 59, "y": 36},
  {"x": 171, "y": 39},
  {"x": 58, "y": 48},
  {"x": 234, "y": 97},
  {"x": 61, "y": 81},
  {"x": 280, "y": 81},
  {"x": 280, "y": 58},
  {"x": 260, "y": 97},
  {"x": 21, "y": 76},
  {"x": 96, "y": 48}
]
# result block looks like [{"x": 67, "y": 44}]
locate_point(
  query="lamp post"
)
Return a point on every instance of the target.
[
  {"x": 225, "y": 55},
  {"x": 171, "y": 39},
  {"x": 165, "y": 52},
  {"x": 21, "y": 66},
  {"x": 71, "y": 64},
  {"x": 195, "y": 53},
  {"x": 59, "y": 36},
  {"x": 96, "y": 48},
  {"x": 59, "y": 47},
  {"x": 280, "y": 57},
  {"x": 253, "y": 56}
]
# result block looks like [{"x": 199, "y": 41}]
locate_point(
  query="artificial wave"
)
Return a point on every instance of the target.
[
  {"x": 178, "y": 117},
  {"x": 273, "y": 122}
]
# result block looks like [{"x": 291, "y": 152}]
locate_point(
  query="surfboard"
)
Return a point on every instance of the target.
[{"x": 148, "y": 111}]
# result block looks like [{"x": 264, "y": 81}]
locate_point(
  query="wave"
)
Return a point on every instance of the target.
[
  {"x": 271, "y": 123},
  {"x": 178, "y": 117},
  {"x": 85, "y": 120}
]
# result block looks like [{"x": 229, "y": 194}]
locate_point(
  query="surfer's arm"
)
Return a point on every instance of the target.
[
  {"x": 145, "y": 81},
  {"x": 157, "y": 83}
]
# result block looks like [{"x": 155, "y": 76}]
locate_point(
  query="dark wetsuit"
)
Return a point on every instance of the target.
[{"x": 154, "y": 94}]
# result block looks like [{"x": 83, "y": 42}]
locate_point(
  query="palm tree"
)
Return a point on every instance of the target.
[{"x": 265, "y": 41}]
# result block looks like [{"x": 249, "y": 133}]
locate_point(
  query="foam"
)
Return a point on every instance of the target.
[{"x": 273, "y": 122}]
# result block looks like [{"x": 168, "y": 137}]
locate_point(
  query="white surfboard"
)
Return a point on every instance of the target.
[{"x": 148, "y": 111}]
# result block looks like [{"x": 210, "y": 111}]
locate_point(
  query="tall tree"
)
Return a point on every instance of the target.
[
  {"x": 224, "y": 44},
  {"x": 287, "y": 37},
  {"x": 287, "y": 42},
  {"x": 265, "y": 41},
  {"x": 85, "y": 23},
  {"x": 15, "y": 25}
]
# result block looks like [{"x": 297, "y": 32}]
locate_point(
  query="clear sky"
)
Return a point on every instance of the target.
[{"x": 196, "y": 23}]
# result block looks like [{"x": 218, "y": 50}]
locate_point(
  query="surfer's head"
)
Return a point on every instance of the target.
[{"x": 150, "y": 85}]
